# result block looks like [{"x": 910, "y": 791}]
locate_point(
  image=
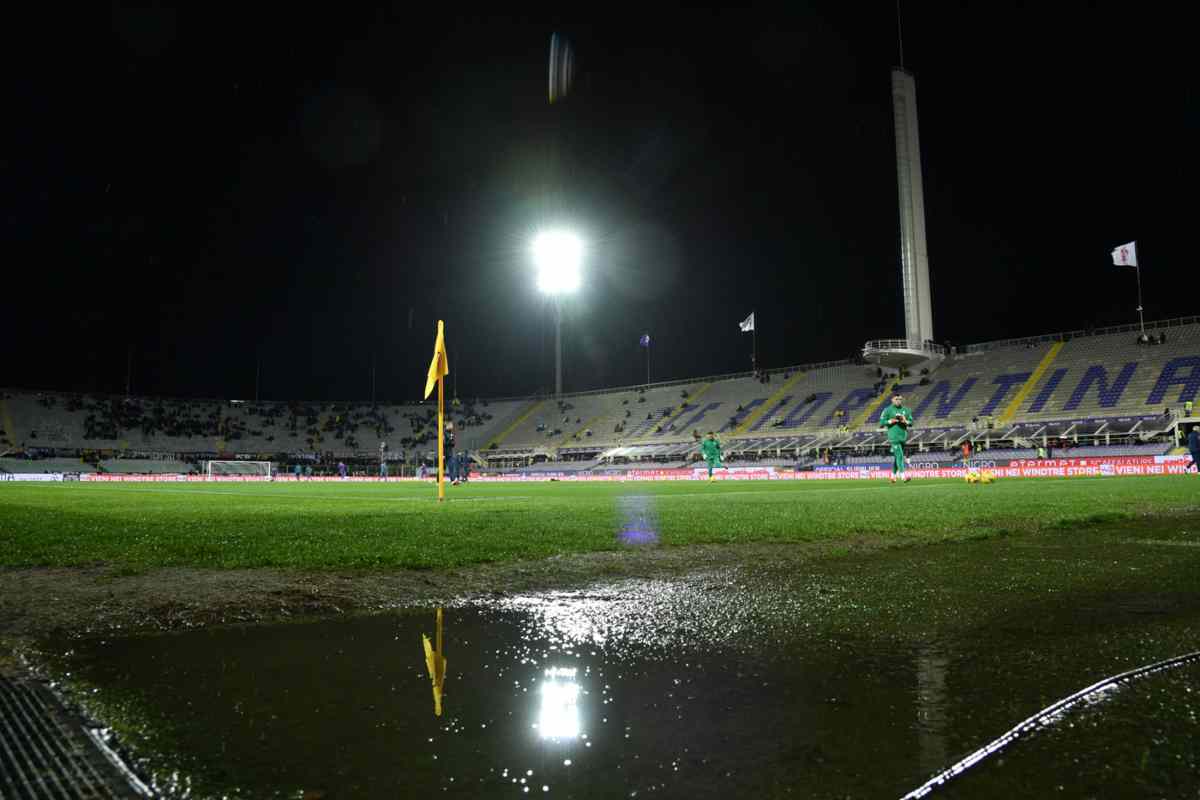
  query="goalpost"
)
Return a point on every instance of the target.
[{"x": 238, "y": 469}]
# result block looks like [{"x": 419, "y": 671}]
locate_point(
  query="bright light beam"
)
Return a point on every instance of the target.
[{"x": 558, "y": 256}]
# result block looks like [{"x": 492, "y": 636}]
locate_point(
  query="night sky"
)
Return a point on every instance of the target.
[{"x": 311, "y": 190}]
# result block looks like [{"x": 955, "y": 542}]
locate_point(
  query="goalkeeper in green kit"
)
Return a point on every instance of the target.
[
  {"x": 710, "y": 448},
  {"x": 896, "y": 420}
]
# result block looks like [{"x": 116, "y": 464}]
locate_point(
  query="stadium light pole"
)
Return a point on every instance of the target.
[{"x": 558, "y": 256}]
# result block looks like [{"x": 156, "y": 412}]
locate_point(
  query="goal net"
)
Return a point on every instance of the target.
[{"x": 238, "y": 469}]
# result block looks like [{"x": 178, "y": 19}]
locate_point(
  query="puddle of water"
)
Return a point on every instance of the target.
[
  {"x": 734, "y": 683},
  {"x": 1141, "y": 740}
]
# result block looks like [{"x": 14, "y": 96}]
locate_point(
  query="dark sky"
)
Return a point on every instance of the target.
[{"x": 216, "y": 187}]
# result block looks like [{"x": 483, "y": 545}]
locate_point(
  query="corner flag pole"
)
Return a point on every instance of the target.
[
  {"x": 439, "y": 368},
  {"x": 441, "y": 434}
]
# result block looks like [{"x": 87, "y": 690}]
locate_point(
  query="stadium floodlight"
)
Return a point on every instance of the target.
[{"x": 558, "y": 256}]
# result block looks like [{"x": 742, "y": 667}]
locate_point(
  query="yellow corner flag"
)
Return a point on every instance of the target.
[{"x": 439, "y": 366}]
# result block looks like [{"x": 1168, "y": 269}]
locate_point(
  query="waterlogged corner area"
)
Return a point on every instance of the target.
[{"x": 859, "y": 675}]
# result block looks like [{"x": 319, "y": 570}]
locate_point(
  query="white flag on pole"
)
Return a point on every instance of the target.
[
  {"x": 1125, "y": 255},
  {"x": 747, "y": 325}
]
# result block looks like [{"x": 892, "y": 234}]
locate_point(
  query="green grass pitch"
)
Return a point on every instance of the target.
[{"x": 136, "y": 526}]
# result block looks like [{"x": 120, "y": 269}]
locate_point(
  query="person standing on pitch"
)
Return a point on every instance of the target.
[
  {"x": 1193, "y": 441},
  {"x": 450, "y": 465},
  {"x": 896, "y": 420},
  {"x": 710, "y": 448}
]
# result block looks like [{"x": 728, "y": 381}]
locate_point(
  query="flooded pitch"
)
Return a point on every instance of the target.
[{"x": 855, "y": 676}]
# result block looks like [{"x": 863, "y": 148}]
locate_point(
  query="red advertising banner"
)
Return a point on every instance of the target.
[{"x": 1106, "y": 466}]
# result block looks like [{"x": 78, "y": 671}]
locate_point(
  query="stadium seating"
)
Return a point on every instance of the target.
[
  {"x": 1075, "y": 386},
  {"x": 146, "y": 466},
  {"x": 154, "y": 425},
  {"x": 39, "y": 465}
]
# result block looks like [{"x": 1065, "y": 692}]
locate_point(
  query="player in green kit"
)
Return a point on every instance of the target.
[
  {"x": 896, "y": 420},
  {"x": 710, "y": 448}
]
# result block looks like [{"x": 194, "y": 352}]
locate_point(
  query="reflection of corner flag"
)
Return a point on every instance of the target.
[
  {"x": 439, "y": 366},
  {"x": 435, "y": 662}
]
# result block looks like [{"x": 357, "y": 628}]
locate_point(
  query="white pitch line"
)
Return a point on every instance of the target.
[
  {"x": 1160, "y": 542},
  {"x": 775, "y": 493},
  {"x": 874, "y": 483},
  {"x": 185, "y": 492}
]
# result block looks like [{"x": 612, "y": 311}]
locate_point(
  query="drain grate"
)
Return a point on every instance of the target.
[{"x": 48, "y": 752}]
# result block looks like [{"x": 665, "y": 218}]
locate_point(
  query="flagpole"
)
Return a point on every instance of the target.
[
  {"x": 754, "y": 342},
  {"x": 441, "y": 436},
  {"x": 1138, "y": 268}
]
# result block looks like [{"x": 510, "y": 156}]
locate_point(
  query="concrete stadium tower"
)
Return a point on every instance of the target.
[{"x": 917, "y": 344}]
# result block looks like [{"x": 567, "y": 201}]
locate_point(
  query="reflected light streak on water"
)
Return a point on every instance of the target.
[
  {"x": 639, "y": 522},
  {"x": 559, "y": 714}
]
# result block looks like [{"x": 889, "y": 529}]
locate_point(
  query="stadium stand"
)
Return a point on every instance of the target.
[
  {"x": 42, "y": 465},
  {"x": 147, "y": 466},
  {"x": 110, "y": 425},
  {"x": 1108, "y": 388}
]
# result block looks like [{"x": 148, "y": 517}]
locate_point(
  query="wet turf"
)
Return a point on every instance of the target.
[
  {"x": 856, "y": 675},
  {"x": 337, "y": 526}
]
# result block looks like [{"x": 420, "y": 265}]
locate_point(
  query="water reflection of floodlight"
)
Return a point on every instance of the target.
[
  {"x": 559, "y": 717},
  {"x": 558, "y": 256}
]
